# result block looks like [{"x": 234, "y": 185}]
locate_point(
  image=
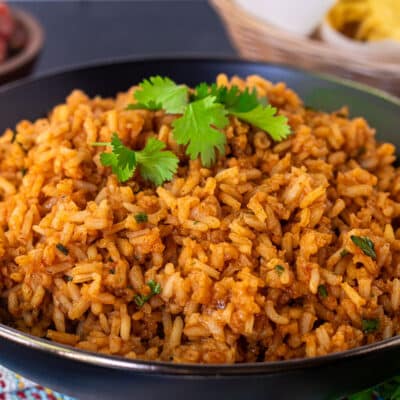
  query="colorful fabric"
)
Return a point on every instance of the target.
[{"x": 14, "y": 387}]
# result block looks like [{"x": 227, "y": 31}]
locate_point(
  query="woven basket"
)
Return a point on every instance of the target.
[{"x": 257, "y": 40}]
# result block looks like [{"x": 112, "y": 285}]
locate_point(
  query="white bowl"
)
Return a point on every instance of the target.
[{"x": 297, "y": 16}]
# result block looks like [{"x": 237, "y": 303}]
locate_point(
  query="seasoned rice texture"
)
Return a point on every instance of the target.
[{"x": 254, "y": 255}]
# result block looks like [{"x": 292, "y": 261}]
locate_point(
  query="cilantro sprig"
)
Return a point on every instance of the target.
[
  {"x": 205, "y": 113},
  {"x": 246, "y": 106},
  {"x": 154, "y": 164}
]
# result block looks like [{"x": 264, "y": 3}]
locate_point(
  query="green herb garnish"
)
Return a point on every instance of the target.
[
  {"x": 141, "y": 217},
  {"x": 365, "y": 244},
  {"x": 232, "y": 98},
  {"x": 67, "y": 278},
  {"x": 279, "y": 269},
  {"x": 198, "y": 129},
  {"x": 322, "y": 291},
  {"x": 370, "y": 325},
  {"x": 246, "y": 106},
  {"x": 265, "y": 119},
  {"x": 154, "y": 165},
  {"x": 24, "y": 171},
  {"x": 141, "y": 299},
  {"x": 205, "y": 114},
  {"x": 344, "y": 253},
  {"x": 62, "y": 248},
  {"x": 157, "y": 92}
]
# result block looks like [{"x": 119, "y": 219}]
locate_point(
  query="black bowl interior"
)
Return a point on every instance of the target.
[
  {"x": 34, "y": 98},
  {"x": 323, "y": 377}
]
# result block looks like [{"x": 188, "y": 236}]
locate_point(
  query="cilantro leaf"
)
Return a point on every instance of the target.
[
  {"x": 233, "y": 99},
  {"x": 279, "y": 269},
  {"x": 264, "y": 118},
  {"x": 141, "y": 217},
  {"x": 154, "y": 287},
  {"x": 237, "y": 101},
  {"x": 122, "y": 160},
  {"x": 157, "y": 92},
  {"x": 369, "y": 325},
  {"x": 155, "y": 165},
  {"x": 197, "y": 128},
  {"x": 365, "y": 244},
  {"x": 322, "y": 291},
  {"x": 151, "y": 105},
  {"x": 201, "y": 90},
  {"x": 219, "y": 92}
]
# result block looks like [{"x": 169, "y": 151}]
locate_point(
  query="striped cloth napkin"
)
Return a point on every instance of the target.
[{"x": 14, "y": 387}]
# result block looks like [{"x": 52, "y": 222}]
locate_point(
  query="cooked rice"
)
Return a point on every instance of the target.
[{"x": 73, "y": 256}]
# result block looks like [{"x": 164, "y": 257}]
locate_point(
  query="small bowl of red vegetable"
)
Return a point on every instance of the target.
[{"x": 21, "y": 39}]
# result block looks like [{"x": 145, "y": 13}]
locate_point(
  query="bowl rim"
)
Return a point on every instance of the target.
[
  {"x": 188, "y": 369},
  {"x": 167, "y": 368},
  {"x": 35, "y": 40},
  {"x": 199, "y": 57}
]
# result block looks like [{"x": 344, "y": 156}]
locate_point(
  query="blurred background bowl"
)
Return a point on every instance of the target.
[
  {"x": 21, "y": 63},
  {"x": 280, "y": 13},
  {"x": 256, "y": 39},
  {"x": 386, "y": 51}
]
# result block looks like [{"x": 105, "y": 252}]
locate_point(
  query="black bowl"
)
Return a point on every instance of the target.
[{"x": 94, "y": 376}]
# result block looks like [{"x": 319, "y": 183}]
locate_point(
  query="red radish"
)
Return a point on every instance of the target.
[{"x": 6, "y": 21}]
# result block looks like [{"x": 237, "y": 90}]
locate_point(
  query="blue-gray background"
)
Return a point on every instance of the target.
[{"x": 78, "y": 32}]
